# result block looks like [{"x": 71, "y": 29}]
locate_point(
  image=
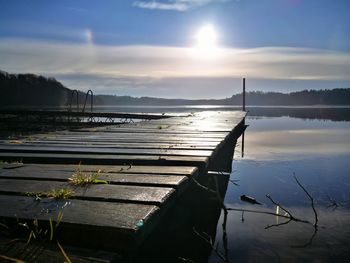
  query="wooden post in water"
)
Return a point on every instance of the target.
[{"x": 243, "y": 94}]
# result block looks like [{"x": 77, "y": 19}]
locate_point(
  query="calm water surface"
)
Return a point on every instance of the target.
[
  {"x": 318, "y": 153},
  {"x": 312, "y": 143}
]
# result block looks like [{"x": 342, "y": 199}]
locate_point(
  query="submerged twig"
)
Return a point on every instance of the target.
[
  {"x": 203, "y": 187},
  {"x": 293, "y": 218},
  {"x": 310, "y": 197},
  {"x": 204, "y": 236},
  {"x": 333, "y": 203},
  {"x": 234, "y": 181},
  {"x": 315, "y": 214},
  {"x": 289, "y": 214},
  {"x": 256, "y": 211},
  {"x": 280, "y": 224},
  {"x": 185, "y": 259}
]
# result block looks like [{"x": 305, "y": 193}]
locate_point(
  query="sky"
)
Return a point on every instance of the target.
[{"x": 179, "y": 48}]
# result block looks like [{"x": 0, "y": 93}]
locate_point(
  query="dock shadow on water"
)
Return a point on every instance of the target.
[{"x": 276, "y": 148}]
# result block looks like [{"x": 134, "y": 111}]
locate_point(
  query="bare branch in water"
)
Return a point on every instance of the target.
[
  {"x": 234, "y": 182},
  {"x": 280, "y": 224},
  {"x": 309, "y": 243},
  {"x": 310, "y": 197},
  {"x": 333, "y": 203},
  {"x": 315, "y": 214},
  {"x": 293, "y": 218},
  {"x": 185, "y": 259},
  {"x": 204, "y": 236},
  {"x": 288, "y": 216},
  {"x": 204, "y": 187},
  {"x": 258, "y": 212}
]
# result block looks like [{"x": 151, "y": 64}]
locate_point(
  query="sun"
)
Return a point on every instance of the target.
[
  {"x": 206, "y": 41},
  {"x": 206, "y": 37}
]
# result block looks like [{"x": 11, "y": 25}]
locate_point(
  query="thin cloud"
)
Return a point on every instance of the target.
[
  {"x": 175, "y": 5},
  {"x": 161, "y": 6}
]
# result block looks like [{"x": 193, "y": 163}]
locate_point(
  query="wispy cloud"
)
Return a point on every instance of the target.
[
  {"x": 176, "y": 5},
  {"x": 144, "y": 67},
  {"x": 161, "y": 61}
]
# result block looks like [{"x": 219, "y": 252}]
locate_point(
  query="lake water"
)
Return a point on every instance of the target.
[
  {"x": 318, "y": 153},
  {"x": 312, "y": 143}
]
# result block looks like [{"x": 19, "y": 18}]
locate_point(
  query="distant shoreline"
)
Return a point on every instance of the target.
[
  {"x": 27, "y": 90},
  {"x": 204, "y": 106}
]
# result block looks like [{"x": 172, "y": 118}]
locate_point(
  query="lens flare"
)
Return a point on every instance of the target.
[{"x": 88, "y": 35}]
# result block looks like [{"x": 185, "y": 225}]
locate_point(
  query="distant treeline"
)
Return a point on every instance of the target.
[
  {"x": 306, "y": 97},
  {"x": 32, "y": 90}
]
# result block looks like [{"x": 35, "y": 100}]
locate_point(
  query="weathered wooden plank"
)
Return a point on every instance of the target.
[
  {"x": 174, "y": 181},
  {"x": 200, "y": 162},
  {"x": 169, "y": 140},
  {"x": 160, "y": 129},
  {"x": 160, "y": 196},
  {"x": 194, "y": 141},
  {"x": 176, "y": 130},
  {"x": 129, "y": 169},
  {"x": 91, "y": 150},
  {"x": 145, "y": 145},
  {"x": 112, "y": 142},
  {"x": 105, "y": 224},
  {"x": 138, "y": 134},
  {"x": 130, "y": 136}
]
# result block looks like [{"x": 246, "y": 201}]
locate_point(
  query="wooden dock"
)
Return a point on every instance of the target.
[{"x": 148, "y": 166}]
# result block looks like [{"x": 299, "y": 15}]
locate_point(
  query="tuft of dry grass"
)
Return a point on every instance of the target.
[
  {"x": 62, "y": 193},
  {"x": 80, "y": 178}
]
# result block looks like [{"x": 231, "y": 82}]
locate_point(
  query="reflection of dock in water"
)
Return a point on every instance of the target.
[{"x": 150, "y": 204}]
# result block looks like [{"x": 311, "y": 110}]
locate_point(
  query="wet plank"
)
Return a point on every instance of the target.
[
  {"x": 105, "y": 224},
  {"x": 101, "y": 159},
  {"x": 130, "y": 138},
  {"x": 141, "y": 140},
  {"x": 124, "y": 145},
  {"x": 97, "y": 150},
  {"x": 179, "y": 182},
  {"x": 113, "y": 169},
  {"x": 160, "y": 196},
  {"x": 122, "y": 131}
]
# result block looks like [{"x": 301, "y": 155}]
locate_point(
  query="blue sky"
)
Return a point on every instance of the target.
[{"x": 150, "y": 48}]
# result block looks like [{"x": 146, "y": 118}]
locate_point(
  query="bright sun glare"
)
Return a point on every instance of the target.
[{"x": 206, "y": 42}]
